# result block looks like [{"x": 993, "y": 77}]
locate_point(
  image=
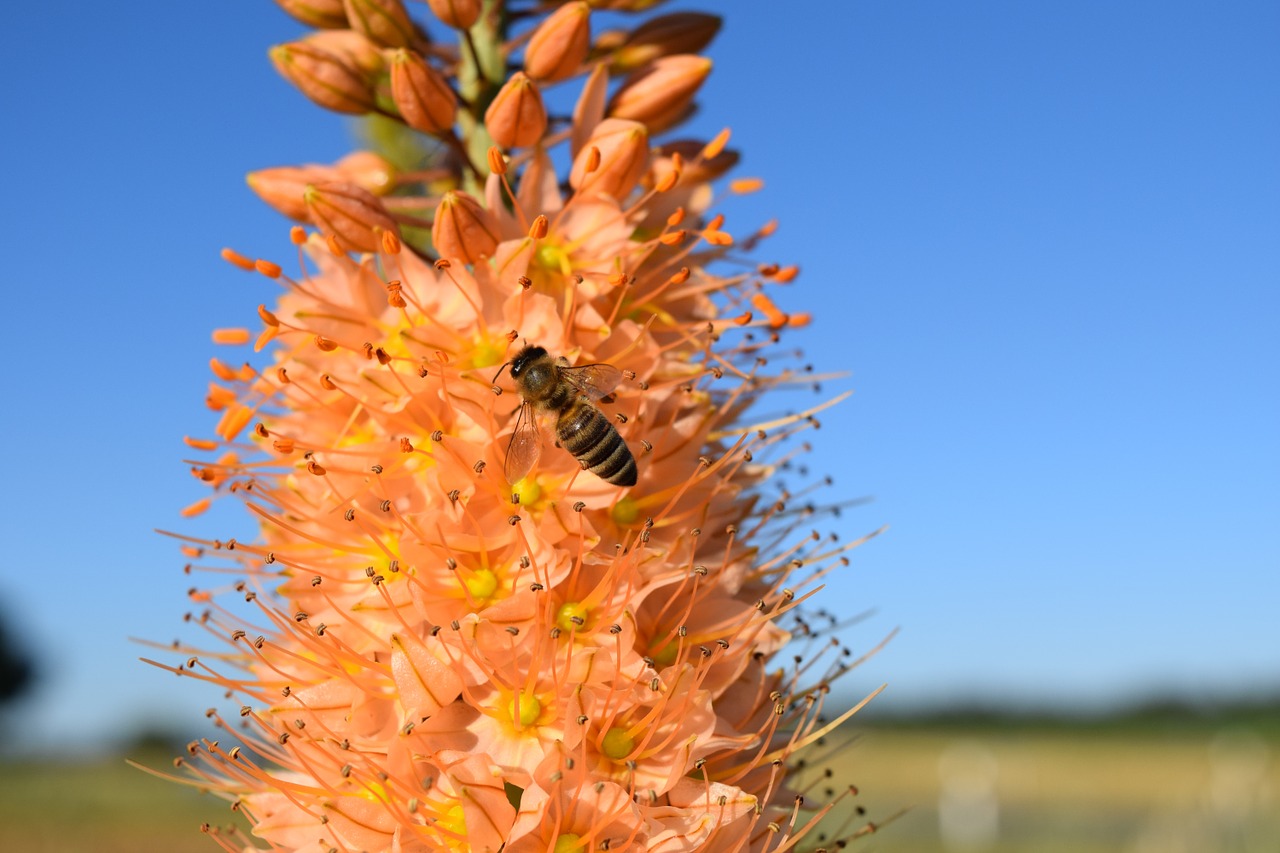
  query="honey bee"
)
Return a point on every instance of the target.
[{"x": 549, "y": 384}]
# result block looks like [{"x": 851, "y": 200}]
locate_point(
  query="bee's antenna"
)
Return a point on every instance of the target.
[{"x": 499, "y": 373}]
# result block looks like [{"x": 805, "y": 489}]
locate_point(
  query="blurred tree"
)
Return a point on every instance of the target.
[{"x": 17, "y": 672}]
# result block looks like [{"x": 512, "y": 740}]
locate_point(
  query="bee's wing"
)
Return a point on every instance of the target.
[
  {"x": 594, "y": 380},
  {"x": 525, "y": 446}
]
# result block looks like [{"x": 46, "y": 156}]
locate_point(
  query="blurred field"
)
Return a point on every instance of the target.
[
  {"x": 977, "y": 789},
  {"x": 1069, "y": 792},
  {"x": 104, "y": 806}
]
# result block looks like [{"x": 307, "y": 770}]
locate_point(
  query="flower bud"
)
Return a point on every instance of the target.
[
  {"x": 383, "y": 21},
  {"x": 463, "y": 229},
  {"x": 326, "y": 14},
  {"x": 459, "y": 14},
  {"x": 421, "y": 93},
  {"x": 660, "y": 93},
  {"x": 622, "y": 150},
  {"x": 358, "y": 52},
  {"x": 366, "y": 169},
  {"x": 282, "y": 188},
  {"x": 666, "y": 35},
  {"x": 324, "y": 77},
  {"x": 560, "y": 44},
  {"x": 348, "y": 215},
  {"x": 516, "y": 118}
]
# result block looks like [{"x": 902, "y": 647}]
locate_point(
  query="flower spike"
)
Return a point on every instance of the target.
[{"x": 522, "y": 572}]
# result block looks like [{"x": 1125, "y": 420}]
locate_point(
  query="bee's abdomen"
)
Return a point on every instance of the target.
[{"x": 586, "y": 433}]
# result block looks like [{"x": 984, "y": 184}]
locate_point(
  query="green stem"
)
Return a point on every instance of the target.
[{"x": 481, "y": 74}]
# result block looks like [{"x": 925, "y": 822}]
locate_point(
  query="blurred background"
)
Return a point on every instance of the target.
[{"x": 1042, "y": 244}]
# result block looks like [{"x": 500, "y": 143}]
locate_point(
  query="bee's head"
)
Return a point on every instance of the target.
[
  {"x": 524, "y": 358},
  {"x": 521, "y": 361}
]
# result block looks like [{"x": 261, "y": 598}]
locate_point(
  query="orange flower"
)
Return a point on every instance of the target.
[{"x": 433, "y": 657}]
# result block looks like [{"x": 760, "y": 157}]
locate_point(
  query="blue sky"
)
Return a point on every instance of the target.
[{"x": 1042, "y": 239}]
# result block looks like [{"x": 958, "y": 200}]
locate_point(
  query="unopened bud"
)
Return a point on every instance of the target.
[
  {"x": 349, "y": 216},
  {"x": 516, "y": 118},
  {"x": 324, "y": 77},
  {"x": 560, "y": 44},
  {"x": 383, "y": 21},
  {"x": 368, "y": 170},
  {"x": 463, "y": 229},
  {"x": 665, "y": 35},
  {"x": 621, "y": 149},
  {"x": 360, "y": 53},
  {"x": 421, "y": 93},
  {"x": 660, "y": 93},
  {"x": 326, "y": 14},
  {"x": 459, "y": 14},
  {"x": 283, "y": 187}
]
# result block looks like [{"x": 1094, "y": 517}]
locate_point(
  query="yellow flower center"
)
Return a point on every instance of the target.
[
  {"x": 486, "y": 354},
  {"x": 625, "y": 512},
  {"x": 481, "y": 584},
  {"x": 572, "y": 616},
  {"x": 667, "y": 655},
  {"x": 552, "y": 257},
  {"x": 453, "y": 821},
  {"x": 529, "y": 709},
  {"x": 617, "y": 744},
  {"x": 567, "y": 843},
  {"x": 527, "y": 490}
]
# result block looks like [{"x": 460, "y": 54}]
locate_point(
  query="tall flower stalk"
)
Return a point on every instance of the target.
[{"x": 434, "y": 657}]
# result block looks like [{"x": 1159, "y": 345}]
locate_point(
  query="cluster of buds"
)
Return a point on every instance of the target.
[{"x": 441, "y": 658}]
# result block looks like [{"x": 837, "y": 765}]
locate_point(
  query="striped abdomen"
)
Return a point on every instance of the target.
[{"x": 586, "y": 433}]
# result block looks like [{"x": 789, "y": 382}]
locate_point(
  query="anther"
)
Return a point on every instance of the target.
[
  {"x": 539, "y": 228},
  {"x": 497, "y": 162},
  {"x": 234, "y": 258}
]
